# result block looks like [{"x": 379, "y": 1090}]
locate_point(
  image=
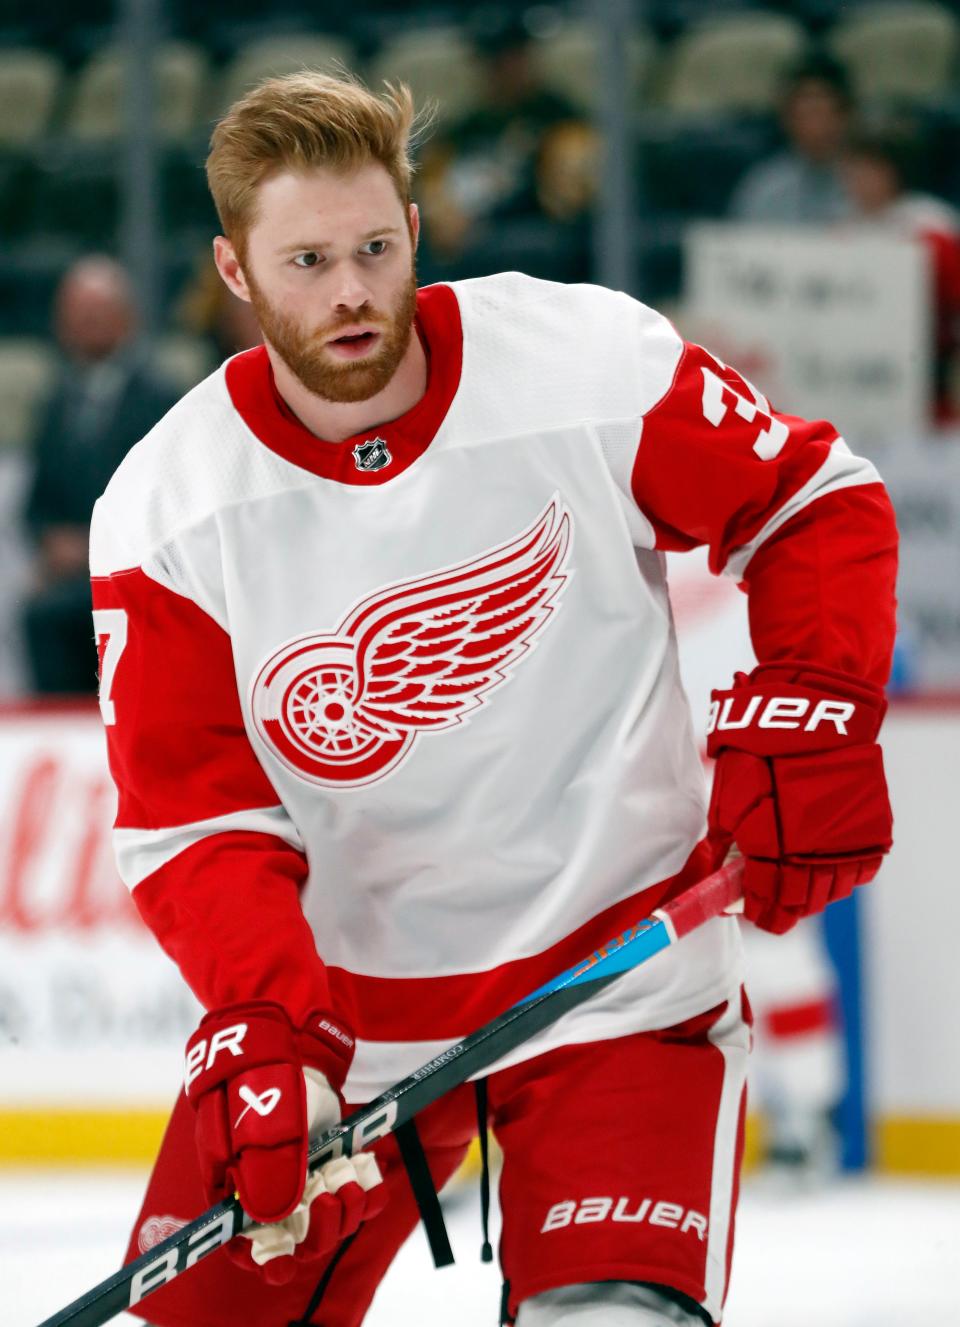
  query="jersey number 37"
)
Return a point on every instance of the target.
[{"x": 111, "y": 624}]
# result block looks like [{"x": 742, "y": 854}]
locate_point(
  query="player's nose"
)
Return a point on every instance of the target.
[{"x": 350, "y": 290}]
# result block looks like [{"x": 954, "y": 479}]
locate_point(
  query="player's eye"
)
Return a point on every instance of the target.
[
  {"x": 309, "y": 259},
  {"x": 374, "y": 248}
]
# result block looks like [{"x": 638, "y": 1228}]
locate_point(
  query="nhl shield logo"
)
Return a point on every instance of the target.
[{"x": 373, "y": 455}]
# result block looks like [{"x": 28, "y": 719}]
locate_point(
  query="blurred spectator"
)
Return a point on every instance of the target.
[
  {"x": 878, "y": 171},
  {"x": 803, "y": 184},
  {"x": 106, "y": 398},
  {"x": 567, "y": 172},
  {"x": 210, "y": 310},
  {"x": 524, "y": 152}
]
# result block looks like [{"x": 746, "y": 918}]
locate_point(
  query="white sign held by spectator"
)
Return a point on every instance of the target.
[{"x": 834, "y": 324}]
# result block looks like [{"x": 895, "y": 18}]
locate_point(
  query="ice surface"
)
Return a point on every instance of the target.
[{"x": 864, "y": 1253}]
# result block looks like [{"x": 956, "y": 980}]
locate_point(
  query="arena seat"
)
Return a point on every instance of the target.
[
  {"x": 29, "y": 82},
  {"x": 568, "y": 59},
  {"x": 96, "y": 109},
  {"x": 183, "y": 360},
  {"x": 438, "y": 63},
  {"x": 899, "y": 51},
  {"x": 30, "y": 271},
  {"x": 76, "y": 193},
  {"x": 731, "y": 63},
  {"x": 694, "y": 172},
  {"x": 26, "y": 370},
  {"x": 283, "y": 54}
]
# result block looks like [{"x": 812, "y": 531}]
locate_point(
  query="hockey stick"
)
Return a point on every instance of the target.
[{"x": 205, "y": 1234}]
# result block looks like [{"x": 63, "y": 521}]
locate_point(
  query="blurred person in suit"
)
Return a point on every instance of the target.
[
  {"x": 106, "y": 397},
  {"x": 803, "y": 183}
]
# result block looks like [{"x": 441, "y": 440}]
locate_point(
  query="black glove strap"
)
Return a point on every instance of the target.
[
  {"x": 480, "y": 1089},
  {"x": 424, "y": 1193}
]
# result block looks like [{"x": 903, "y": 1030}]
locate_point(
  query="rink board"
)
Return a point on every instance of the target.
[{"x": 93, "y": 1016}]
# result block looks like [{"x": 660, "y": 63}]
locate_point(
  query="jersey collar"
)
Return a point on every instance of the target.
[{"x": 254, "y": 394}]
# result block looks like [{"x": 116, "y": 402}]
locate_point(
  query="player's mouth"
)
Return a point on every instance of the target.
[{"x": 354, "y": 344}]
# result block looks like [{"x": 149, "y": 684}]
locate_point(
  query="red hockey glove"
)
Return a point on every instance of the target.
[
  {"x": 799, "y": 787},
  {"x": 260, "y": 1087}
]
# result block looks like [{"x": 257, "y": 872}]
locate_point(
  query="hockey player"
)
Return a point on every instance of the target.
[{"x": 390, "y": 686}]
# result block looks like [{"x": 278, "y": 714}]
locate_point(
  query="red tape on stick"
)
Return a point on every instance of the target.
[{"x": 718, "y": 894}]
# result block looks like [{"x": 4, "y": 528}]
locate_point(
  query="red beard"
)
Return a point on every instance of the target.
[{"x": 304, "y": 352}]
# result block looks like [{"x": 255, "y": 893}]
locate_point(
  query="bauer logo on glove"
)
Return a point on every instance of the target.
[
  {"x": 799, "y": 787},
  {"x": 780, "y": 712},
  {"x": 201, "y": 1053}
]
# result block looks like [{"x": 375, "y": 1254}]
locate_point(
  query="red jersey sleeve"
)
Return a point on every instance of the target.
[
  {"x": 212, "y": 859},
  {"x": 782, "y": 504}
]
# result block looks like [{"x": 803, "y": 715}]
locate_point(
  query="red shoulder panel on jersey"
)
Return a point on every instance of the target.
[
  {"x": 715, "y": 462},
  {"x": 175, "y": 737}
]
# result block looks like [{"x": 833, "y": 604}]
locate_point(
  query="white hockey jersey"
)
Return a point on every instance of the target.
[{"x": 396, "y": 723}]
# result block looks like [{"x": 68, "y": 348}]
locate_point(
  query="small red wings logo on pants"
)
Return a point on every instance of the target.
[{"x": 344, "y": 708}]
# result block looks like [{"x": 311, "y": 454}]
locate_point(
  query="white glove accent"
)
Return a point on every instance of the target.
[
  {"x": 366, "y": 1171},
  {"x": 323, "y": 1107},
  {"x": 269, "y": 1242},
  {"x": 281, "y": 1238}
]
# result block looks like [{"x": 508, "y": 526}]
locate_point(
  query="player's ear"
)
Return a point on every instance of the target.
[
  {"x": 414, "y": 225},
  {"x": 228, "y": 265}
]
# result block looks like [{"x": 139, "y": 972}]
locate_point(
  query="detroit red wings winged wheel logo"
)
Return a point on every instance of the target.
[{"x": 344, "y": 708}]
